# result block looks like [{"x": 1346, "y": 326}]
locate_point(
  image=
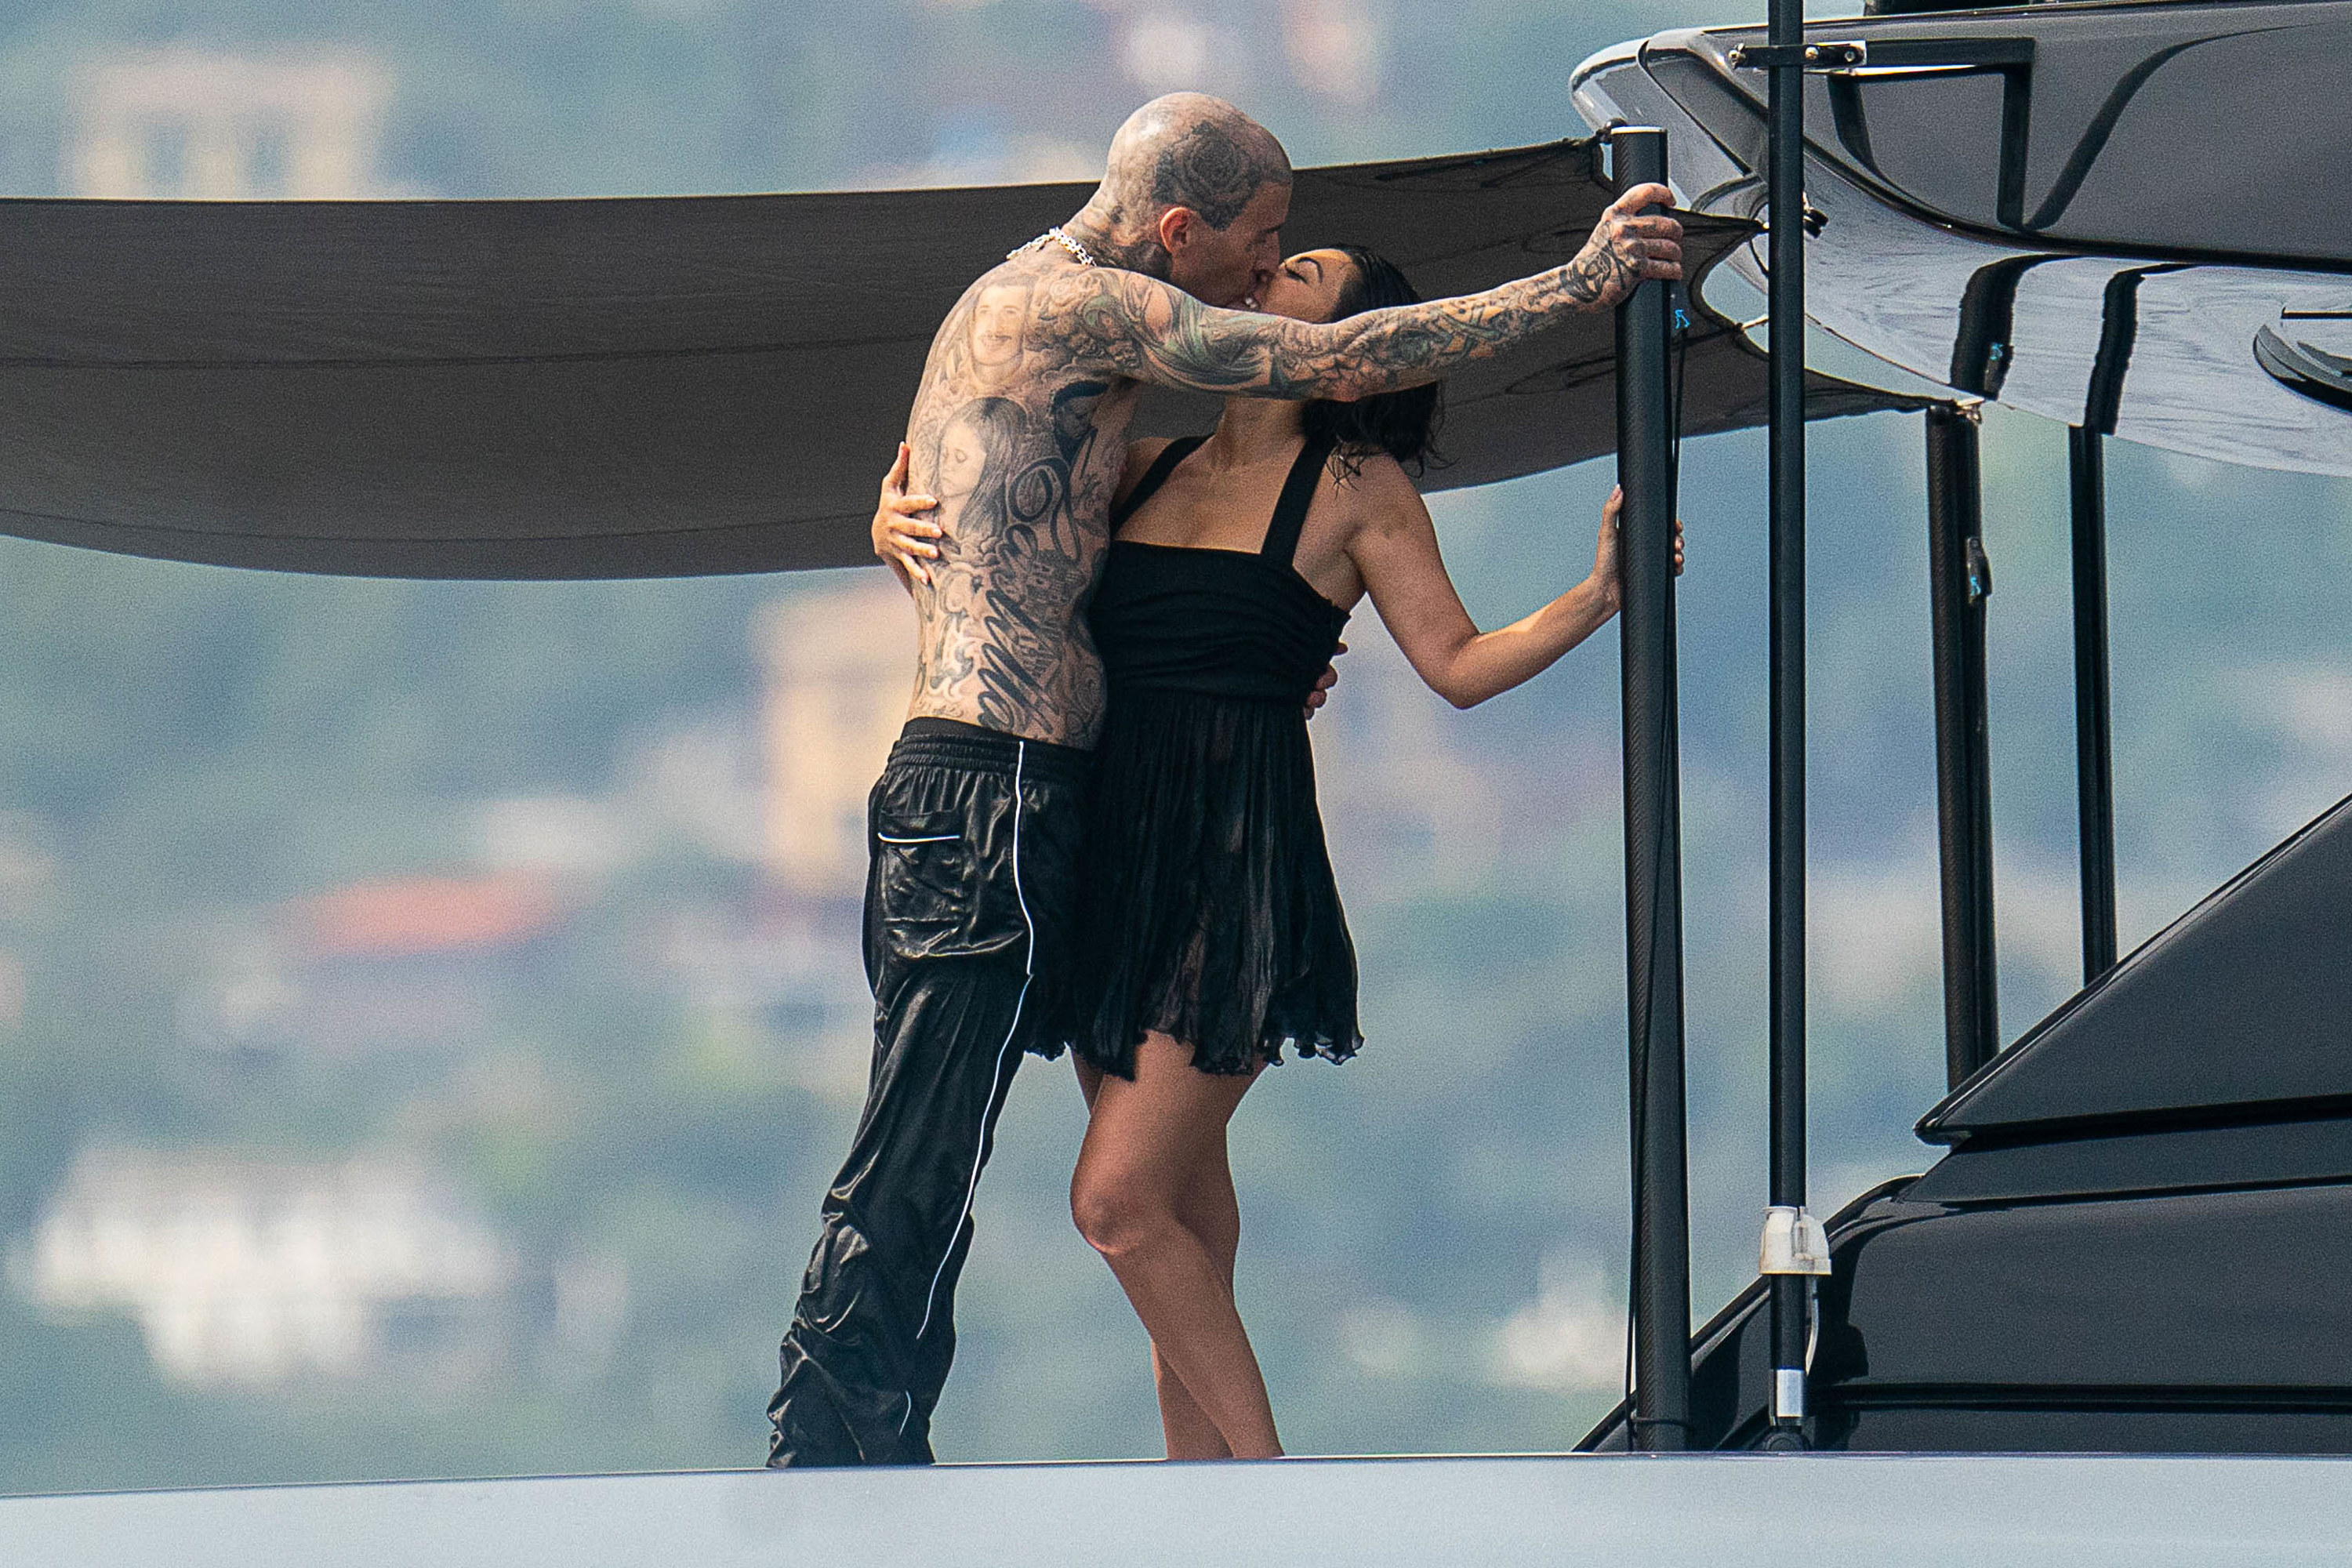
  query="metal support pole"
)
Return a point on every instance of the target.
[
  {"x": 1786, "y": 415},
  {"x": 2095, "y": 780},
  {"x": 1959, "y": 580},
  {"x": 1653, "y": 914}
]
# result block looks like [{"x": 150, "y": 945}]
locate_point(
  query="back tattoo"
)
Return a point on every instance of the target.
[{"x": 1023, "y": 450}]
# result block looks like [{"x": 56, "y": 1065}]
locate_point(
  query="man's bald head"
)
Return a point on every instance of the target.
[
  {"x": 1195, "y": 193},
  {"x": 1189, "y": 149}
]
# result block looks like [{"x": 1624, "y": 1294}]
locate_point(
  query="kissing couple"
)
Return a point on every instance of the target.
[{"x": 1098, "y": 829}]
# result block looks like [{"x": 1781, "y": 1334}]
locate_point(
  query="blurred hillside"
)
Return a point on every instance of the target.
[
  {"x": 519, "y": 98},
  {"x": 429, "y": 1013}
]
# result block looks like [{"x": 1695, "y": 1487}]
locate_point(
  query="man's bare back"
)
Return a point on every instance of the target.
[
  {"x": 1022, "y": 452},
  {"x": 1019, "y": 429}
]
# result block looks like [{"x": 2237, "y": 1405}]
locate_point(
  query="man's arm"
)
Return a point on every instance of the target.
[{"x": 1136, "y": 326}]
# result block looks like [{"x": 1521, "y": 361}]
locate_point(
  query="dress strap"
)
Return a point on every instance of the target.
[
  {"x": 1297, "y": 495},
  {"x": 1154, "y": 477}
]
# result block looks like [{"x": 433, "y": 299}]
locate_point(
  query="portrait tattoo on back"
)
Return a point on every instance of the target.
[{"x": 1000, "y": 317}]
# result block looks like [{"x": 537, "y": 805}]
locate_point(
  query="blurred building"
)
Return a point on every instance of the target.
[
  {"x": 1331, "y": 48},
  {"x": 410, "y": 917},
  {"x": 1164, "y": 49},
  {"x": 415, "y": 962},
  {"x": 695, "y": 784},
  {"x": 836, "y": 667},
  {"x": 792, "y": 979},
  {"x": 1335, "y": 47},
  {"x": 550, "y": 835},
  {"x": 250, "y": 1271},
  {"x": 184, "y": 123}
]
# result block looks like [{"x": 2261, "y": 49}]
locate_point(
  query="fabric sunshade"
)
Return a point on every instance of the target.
[{"x": 650, "y": 387}]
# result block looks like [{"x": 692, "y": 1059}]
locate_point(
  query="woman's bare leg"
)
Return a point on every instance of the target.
[
  {"x": 1141, "y": 1176},
  {"x": 1211, "y": 1212}
]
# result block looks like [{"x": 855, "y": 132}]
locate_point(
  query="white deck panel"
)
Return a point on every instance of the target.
[{"x": 1703, "y": 1510}]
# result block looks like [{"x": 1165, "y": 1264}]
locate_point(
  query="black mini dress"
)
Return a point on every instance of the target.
[{"x": 1207, "y": 906}]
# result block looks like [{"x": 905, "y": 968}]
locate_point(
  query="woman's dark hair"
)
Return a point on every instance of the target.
[{"x": 1402, "y": 423}]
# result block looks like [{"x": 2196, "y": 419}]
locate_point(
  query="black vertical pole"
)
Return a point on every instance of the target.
[
  {"x": 1959, "y": 581},
  {"x": 1786, "y": 415},
  {"x": 2095, "y": 783},
  {"x": 1654, "y": 912},
  {"x": 2087, "y": 475}
]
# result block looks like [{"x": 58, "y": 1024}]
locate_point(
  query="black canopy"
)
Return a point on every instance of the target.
[{"x": 647, "y": 387}]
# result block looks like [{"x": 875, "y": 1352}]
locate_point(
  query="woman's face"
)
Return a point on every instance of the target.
[
  {"x": 963, "y": 460},
  {"x": 1307, "y": 287}
]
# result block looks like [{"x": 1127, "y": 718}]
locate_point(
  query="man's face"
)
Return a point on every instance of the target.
[
  {"x": 998, "y": 319},
  {"x": 1227, "y": 266}
]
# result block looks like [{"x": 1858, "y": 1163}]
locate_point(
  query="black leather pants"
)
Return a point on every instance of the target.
[{"x": 968, "y": 901}]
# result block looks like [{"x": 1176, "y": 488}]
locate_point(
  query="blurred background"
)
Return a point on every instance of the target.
[{"x": 429, "y": 1013}]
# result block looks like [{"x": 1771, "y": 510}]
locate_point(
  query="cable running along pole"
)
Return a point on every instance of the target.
[
  {"x": 1654, "y": 912},
  {"x": 1794, "y": 1250}
]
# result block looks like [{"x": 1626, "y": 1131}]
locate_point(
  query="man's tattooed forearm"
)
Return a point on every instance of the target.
[{"x": 1146, "y": 329}]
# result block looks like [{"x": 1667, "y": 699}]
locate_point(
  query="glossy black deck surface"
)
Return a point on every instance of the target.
[
  {"x": 2083, "y": 1512},
  {"x": 2238, "y": 1005}
]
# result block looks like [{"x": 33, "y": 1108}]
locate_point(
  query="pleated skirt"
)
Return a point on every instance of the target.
[{"x": 1207, "y": 909}]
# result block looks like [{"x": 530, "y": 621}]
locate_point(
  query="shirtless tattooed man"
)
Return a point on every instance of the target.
[{"x": 1018, "y": 432}]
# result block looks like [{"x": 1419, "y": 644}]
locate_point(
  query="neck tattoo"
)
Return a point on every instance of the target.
[{"x": 1054, "y": 235}]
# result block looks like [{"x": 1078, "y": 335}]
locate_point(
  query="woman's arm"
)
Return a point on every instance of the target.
[
  {"x": 1395, "y": 550},
  {"x": 903, "y": 527}
]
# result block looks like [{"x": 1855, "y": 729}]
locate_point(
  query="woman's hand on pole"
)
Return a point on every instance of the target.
[
  {"x": 903, "y": 528},
  {"x": 1606, "y": 580}
]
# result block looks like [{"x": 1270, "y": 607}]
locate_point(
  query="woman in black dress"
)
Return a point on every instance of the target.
[{"x": 1211, "y": 932}]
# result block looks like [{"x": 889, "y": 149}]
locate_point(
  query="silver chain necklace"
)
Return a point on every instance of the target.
[{"x": 1054, "y": 235}]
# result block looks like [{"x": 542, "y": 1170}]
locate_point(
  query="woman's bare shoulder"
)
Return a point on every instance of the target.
[{"x": 1382, "y": 494}]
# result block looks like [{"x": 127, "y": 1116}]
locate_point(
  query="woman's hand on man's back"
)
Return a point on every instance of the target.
[{"x": 903, "y": 527}]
